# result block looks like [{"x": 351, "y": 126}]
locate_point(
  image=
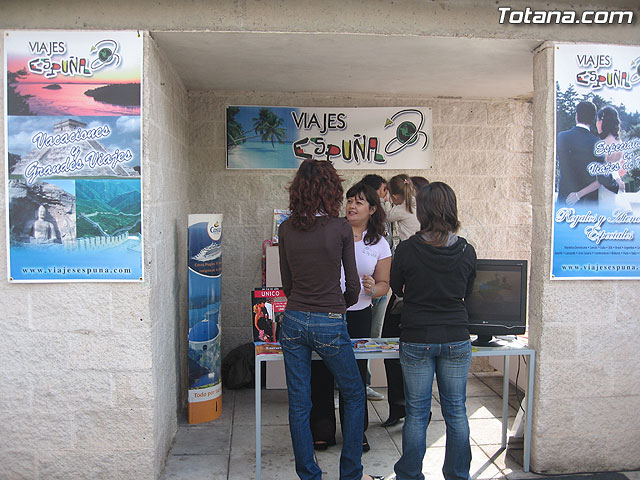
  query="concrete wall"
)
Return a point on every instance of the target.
[
  {"x": 90, "y": 377},
  {"x": 166, "y": 207},
  {"x": 456, "y": 18},
  {"x": 482, "y": 148},
  {"x": 585, "y": 333},
  {"x": 76, "y": 392}
]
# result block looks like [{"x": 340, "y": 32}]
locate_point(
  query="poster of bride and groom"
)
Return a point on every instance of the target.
[{"x": 596, "y": 223}]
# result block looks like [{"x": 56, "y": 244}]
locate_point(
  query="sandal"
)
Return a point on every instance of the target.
[{"x": 365, "y": 444}]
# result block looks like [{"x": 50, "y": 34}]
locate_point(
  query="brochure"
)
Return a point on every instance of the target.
[
  {"x": 267, "y": 308},
  {"x": 279, "y": 216},
  {"x": 375, "y": 344},
  {"x": 263, "y": 348}
]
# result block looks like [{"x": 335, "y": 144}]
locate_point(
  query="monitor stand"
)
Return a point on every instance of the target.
[{"x": 486, "y": 341}]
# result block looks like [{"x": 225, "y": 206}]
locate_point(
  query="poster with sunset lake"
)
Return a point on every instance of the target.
[
  {"x": 79, "y": 73},
  {"x": 72, "y": 120}
]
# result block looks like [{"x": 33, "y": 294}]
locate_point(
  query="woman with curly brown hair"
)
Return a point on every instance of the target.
[
  {"x": 314, "y": 243},
  {"x": 373, "y": 261}
]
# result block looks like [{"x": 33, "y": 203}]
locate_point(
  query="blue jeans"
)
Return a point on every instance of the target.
[
  {"x": 326, "y": 333},
  {"x": 450, "y": 363},
  {"x": 378, "y": 307}
]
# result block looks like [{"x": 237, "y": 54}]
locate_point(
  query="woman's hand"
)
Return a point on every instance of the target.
[{"x": 368, "y": 284}]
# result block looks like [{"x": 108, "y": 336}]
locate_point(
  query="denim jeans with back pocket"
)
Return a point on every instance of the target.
[
  {"x": 325, "y": 333},
  {"x": 450, "y": 363}
]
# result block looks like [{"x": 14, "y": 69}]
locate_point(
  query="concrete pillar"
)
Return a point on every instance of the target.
[{"x": 587, "y": 376}]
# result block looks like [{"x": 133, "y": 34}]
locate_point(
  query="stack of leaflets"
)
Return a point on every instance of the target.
[
  {"x": 375, "y": 344},
  {"x": 263, "y": 348},
  {"x": 359, "y": 345}
]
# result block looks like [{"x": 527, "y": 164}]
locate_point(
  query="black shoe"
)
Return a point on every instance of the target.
[
  {"x": 391, "y": 421},
  {"x": 365, "y": 444},
  {"x": 321, "y": 445},
  {"x": 376, "y": 477}
]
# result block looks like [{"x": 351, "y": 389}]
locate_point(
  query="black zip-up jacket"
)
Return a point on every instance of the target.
[{"x": 433, "y": 282}]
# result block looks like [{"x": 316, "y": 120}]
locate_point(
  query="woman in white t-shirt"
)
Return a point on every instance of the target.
[{"x": 373, "y": 261}]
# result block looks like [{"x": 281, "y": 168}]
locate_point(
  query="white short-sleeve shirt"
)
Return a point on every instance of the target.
[{"x": 367, "y": 257}]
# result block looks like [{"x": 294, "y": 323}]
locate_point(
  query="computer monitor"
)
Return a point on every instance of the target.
[{"x": 498, "y": 302}]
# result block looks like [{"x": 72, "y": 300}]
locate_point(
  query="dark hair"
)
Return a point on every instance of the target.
[
  {"x": 437, "y": 211},
  {"x": 316, "y": 188},
  {"x": 610, "y": 122},
  {"x": 586, "y": 112},
  {"x": 375, "y": 225},
  {"x": 419, "y": 182},
  {"x": 402, "y": 185},
  {"x": 373, "y": 180}
]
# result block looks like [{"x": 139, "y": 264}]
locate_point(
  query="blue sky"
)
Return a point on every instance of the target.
[
  {"x": 125, "y": 132},
  {"x": 247, "y": 114}
]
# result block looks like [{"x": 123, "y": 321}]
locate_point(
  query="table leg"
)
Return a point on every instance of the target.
[
  {"x": 505, "y": 401},
  {"x": 258, "y": 372},
  {"x": 527, "y": 431}
]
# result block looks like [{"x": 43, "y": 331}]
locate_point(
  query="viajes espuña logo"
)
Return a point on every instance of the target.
[{"x": 565, "y": 17}]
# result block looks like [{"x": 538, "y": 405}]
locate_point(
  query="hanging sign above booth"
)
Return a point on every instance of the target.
[
  {"x": 73, "y": 156},
  {"x": 260, "y": 137},
  {"x": 596, "y": 221}
]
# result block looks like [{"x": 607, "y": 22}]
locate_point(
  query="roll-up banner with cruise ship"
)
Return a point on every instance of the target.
[
  {"x": 205, "y": 276},
  {"x": 73, "y": 155}
]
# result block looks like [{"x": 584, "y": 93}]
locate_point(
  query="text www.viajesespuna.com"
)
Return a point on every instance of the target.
[
  {"x": 75, "y": 270},
  {"x": 595, "y": 267},
  {"x": 565, "y": 17}
]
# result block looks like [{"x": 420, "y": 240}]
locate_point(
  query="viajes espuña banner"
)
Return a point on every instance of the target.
[
  {"x": 73, "y": 155},
  {"x": 596, "y": 222},
  {"x": 351, "y": 138},
  {"x": 205, "y": 281}
]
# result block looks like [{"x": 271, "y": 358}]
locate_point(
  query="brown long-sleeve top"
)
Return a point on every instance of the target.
[{"x": 310, "y": 264}]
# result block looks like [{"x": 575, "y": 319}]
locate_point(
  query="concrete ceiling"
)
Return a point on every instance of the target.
[{"x": 351, "y": 63}]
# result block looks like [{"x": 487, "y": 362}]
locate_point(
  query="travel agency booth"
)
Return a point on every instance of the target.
[{"x": 148, "y": 149}]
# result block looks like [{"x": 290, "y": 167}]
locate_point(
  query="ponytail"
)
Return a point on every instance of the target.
[{"x": 402, "y": 185}]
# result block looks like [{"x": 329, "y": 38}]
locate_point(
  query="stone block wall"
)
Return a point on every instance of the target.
[
  {"x": 483, "y": 149},
  {"x": 166, "y": 207},
  {"x": 90, "y": 371},
  {"x": 585, "y": 333},
  {"x": 75, "y": 379}
]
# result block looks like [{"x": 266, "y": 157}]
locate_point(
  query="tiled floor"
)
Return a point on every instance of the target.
[{"x": 225, "y": 448}]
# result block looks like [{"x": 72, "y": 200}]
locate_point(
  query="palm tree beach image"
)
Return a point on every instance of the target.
[{"x": 259, "y": 137}]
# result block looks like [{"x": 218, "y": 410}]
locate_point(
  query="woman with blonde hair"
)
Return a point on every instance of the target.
[{"x": 402, "y": 195}]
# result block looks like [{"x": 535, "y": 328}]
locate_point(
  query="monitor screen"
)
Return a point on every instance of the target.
[{"x": 498, "y": 302}]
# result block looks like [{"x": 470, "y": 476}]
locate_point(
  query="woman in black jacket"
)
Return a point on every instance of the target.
[{"x": 434, "y": 271}]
